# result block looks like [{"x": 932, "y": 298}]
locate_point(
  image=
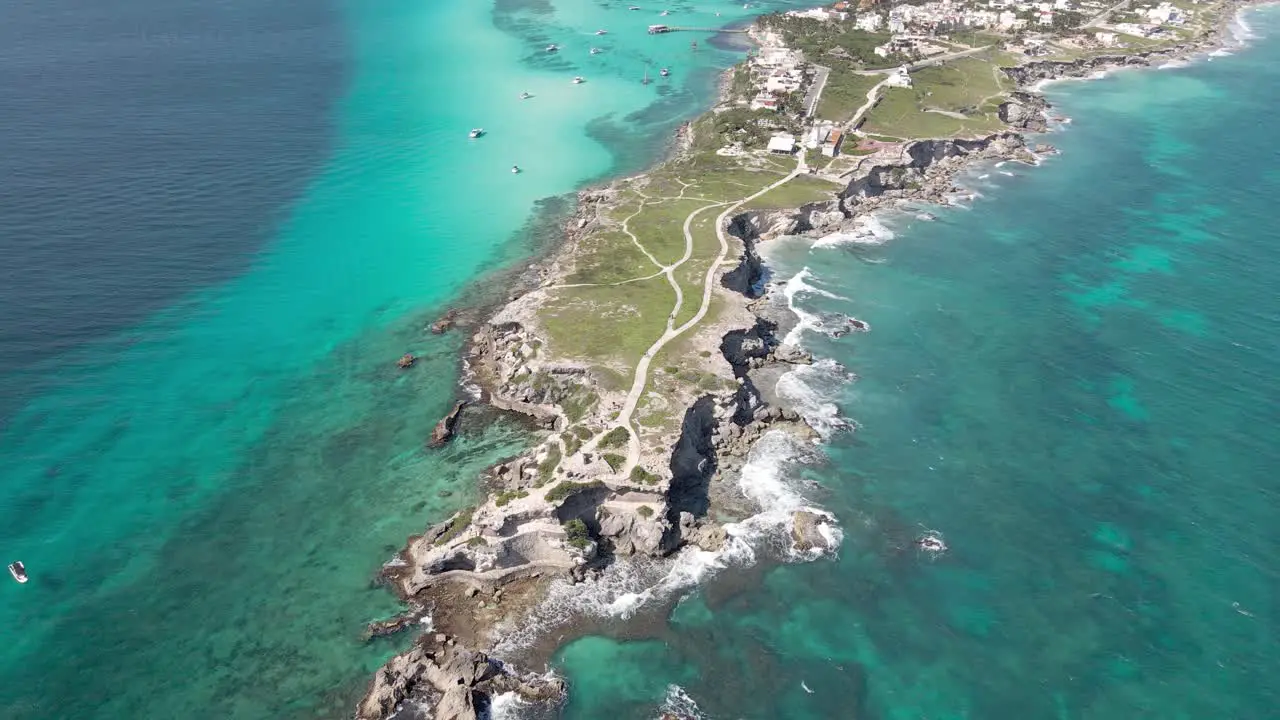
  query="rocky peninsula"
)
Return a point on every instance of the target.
[{"x": 647, "y": 347}]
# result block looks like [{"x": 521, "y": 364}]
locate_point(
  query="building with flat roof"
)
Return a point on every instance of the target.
[{"x": 783, "y": 144}]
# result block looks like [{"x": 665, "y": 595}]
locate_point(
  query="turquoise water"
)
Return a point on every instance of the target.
[
  {"x": 1073, "y": 380},
  {"x": 203, "y": 497}
]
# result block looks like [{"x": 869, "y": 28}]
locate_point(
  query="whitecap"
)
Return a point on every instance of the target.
[
  {"x": 678, "y": 702},
  {"x": 795, "y": 286},
  {"x": 507, "y": 706},
  {"x": 807, "y": 389},
  {"x": 868, "y": 229}
]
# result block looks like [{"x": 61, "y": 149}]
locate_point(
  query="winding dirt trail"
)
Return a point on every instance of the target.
[{"x": 642, "y": 367}]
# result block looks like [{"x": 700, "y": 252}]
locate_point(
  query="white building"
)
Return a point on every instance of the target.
[
  {"x": 869, "y": 22},
  {"x": 1106, "y": 39},
  {"x": 783, "y": 144},
  {"x": 898, "y": 78}
]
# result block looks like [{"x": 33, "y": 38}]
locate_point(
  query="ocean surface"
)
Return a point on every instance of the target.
[
  {"x": 220, "y": 225},
  {"x": 1071, "y": 380}
]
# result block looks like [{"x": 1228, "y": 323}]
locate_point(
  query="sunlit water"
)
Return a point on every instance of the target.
[
  {"x": 1072, "y": 380},
  {"x": 221, "y": 226}
]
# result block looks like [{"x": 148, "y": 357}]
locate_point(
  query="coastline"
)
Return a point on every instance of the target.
[{"x": 469, "y": 607}]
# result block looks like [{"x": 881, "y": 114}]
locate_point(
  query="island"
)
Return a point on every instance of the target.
[{"x": 648, "y": 344}]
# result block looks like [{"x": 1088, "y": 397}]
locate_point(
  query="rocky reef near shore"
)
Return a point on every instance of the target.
[
  {"x": 589, "y": 493},
  {"x": 440, "y": 679}
]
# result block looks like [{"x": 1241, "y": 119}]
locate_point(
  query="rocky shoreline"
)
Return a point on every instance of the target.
[{"x": 479, "y": 573}]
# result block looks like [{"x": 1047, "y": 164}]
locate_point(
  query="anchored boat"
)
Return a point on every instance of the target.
[
  {"x": 578, "y": 80},
  {"x": 475, "y": 133},
  {"x": 664, "y": 72},
  {"x": 552, "y": 47},
  {"x": 18, "y": 571}
]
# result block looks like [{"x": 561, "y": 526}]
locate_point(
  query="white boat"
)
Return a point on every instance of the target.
[
  {"x": 578, "y": 80},
  {"x": 602, "y": 32},
  {"x": 664, "y": 13},
  {"x": 634, "y": 7},
  {"x": 595, "y": 51},
  {"x": 475, "y": 133},
  {"x": 552, "y": 47},
  {"x": 515, "y": 169},
  {"x": 664, "y": 72},
  {"x": 525, "y": 96},
  {"x": 18, "y": 571}
]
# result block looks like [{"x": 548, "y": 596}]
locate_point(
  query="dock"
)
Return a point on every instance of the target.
[{"x": 660, "y": 29}]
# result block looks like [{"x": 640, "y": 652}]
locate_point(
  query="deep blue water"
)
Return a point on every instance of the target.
[{"x": 149, "y": 150}]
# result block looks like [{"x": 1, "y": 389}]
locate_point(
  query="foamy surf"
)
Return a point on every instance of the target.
[
  {"x": 867, "y": 230},
  {"x": 767, "y": 479},
  {"x": 507, "y": 706},
  {"x": 678, "y": 703},
  {"x": 796, "y": 286},
  {"x": 808, "y": 389}
]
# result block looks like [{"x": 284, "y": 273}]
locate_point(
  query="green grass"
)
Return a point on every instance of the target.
[
  {"x": 643, "y": 477},
  {"x": 644, "y": 511},
  {"x": 660, "y": 228},
  {"x": 507, "y": 496},
  {"x": 547, "y": 468},
  {"x": 614, "y": 460},
  {"x": 609, "y": 257},
  {"x": 576, "y": 533},
  {"x": 615, "y": 438},
  {"x": 970, "y": 87},
  {"x": 615, "y": 322},
  {"x": 845, "y": 92},
  {"x": 461, "y": 520},
  {"x": 801, "y": 190},
  {"x": 567, "y": 487},
  {"x": 578, "y": 404}
]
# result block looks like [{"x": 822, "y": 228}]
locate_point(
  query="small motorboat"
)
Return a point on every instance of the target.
[
  {"x": 552, "y": 47},
  {"x": 634, "y": 7},
  {"x": 525, "y": 96},
  {"x": 475, "y": 133},
  {"x": 515, "y": 169},
  {"x": 595, "y": 51},
  {"x": 18, "y": 571},
  {"x": 578, "y": 80},
  {"x": 664, "y": 72},
  {"x": 664, "y": 13},
  {"x": 602, "y": 32}
]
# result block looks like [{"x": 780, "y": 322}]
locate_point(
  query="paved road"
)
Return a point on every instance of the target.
[
  {"x": 948, "y": 56},
  {"x": 1104, "y": 14},
  {"x": 871, "y": 100},
  {"x": 815, "y": 90}
]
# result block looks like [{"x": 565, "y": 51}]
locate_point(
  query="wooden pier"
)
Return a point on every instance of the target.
[{"x": 672, "y": 28}]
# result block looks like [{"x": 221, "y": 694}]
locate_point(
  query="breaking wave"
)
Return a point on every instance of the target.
[
  {"x": 678, "y": 702},
  {"x": 867, "y": 230},
  {"x": 808, "y": 389},
  {"x": 768, "y": 479}
]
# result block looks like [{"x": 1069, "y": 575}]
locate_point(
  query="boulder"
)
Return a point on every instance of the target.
[
  {"x": 444, "y": 429},
  {"x": 806, "y": 530}
]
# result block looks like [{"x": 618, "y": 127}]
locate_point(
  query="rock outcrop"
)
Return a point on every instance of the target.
[
  {"x": 443, "y": 431},
  {"x": 1025, "y": 111},
  {"x": 445, "y": 323},
  {"x": 457, "y": 683},
  {"x": 807, "y": 531}
]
